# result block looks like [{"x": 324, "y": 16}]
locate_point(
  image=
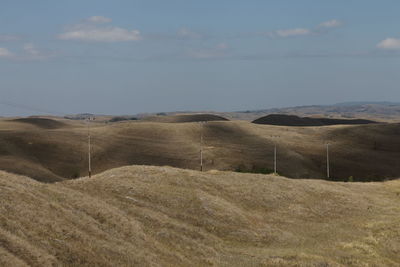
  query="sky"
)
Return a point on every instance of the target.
[{"x": 137, "y": 56}]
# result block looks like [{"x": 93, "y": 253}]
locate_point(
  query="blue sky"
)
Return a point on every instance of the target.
[{"x": 127, "y": 57}]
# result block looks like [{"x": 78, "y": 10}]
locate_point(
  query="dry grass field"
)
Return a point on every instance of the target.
[
  {"x": 54, "y": 149},
  {"x": 162, "y": 216}
]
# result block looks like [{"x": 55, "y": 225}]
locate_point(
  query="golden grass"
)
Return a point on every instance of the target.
[
  {"x": 367, "y": 152},
  {"x": 161, "y": 216}
]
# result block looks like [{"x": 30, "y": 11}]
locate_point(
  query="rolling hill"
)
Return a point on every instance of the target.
[
  {"x": 363, "y": 152},
  {"x": 161, "y": 216},
  {"x": 376, "y": 111},
  {"x": 181, "y": 118},
  {"x": 292, "y": 120}
]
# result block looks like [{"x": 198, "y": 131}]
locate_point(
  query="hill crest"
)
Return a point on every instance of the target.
[{"x": 293, "y": 120}]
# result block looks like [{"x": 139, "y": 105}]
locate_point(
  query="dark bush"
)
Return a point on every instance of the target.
[
  {"x": 117, "y": 119},
  {"x": 260, "y": 170}
]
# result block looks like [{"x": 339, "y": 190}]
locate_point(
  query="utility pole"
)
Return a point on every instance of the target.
[
  {"x": 89, "y": 148},
  {"x": 327, "y": 161},
  {"x": 275, "y": 171},
  {"x": 201, "y": 146},
  {"x": 274, "y": 137}
]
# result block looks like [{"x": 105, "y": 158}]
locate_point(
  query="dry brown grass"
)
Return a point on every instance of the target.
[
  {"x": 161, "y": 216},
  {"x": 368, "y": 152}
]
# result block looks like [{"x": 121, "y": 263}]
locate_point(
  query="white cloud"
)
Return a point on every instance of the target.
[
  {"x": 323, "y": 27},
  {"x": 95, "y": 33},
  {"x": 293, "y": 32},
  {"x": 390, "y": 44},
  {"x": 109, "y": 34},
  {"x": 4, "y": 52},
  {"x": 331, "y": 24},
  {"x": 33, "y": 53},
  {"x": 28, "y": 53},
  {"x": 99, "y": 19}
]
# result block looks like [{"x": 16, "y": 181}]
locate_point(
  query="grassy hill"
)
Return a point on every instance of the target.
[
  {"x": 292, "y": 120},
  {"x": 56, "y": 150},
  {"x": 376, "y": 111},
  {"x": 161, "y": 216},
  {"x": 181, "y": 118}
]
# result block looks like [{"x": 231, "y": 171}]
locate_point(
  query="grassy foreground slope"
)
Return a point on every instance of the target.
[{"x": 162, "y": 216}]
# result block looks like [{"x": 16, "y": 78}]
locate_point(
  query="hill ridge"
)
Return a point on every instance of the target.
[{"x": 293, "y": 120}]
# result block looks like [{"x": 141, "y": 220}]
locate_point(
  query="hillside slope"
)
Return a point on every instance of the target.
[
  {"x": 365, "y": 152},
  {"x": 161, "y": 216}
]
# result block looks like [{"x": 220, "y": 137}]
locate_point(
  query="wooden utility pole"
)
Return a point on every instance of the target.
[
  {"x": 327, "y": 161},
  {"x": 201, "y": 146},
  {"x": 274, "y": 137},
  {"x": 275, "y": 170},
  {"x": 89, "y": 148}
]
